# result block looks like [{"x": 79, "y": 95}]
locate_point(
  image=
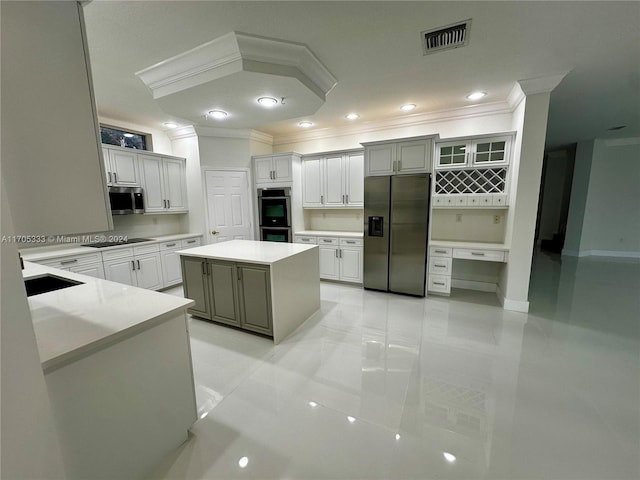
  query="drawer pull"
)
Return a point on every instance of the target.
[
  {"x": 191, "y": 241},
  {"x": 440, "y": 251},
  {"x": 439, "y": 283},
  {"x": 170, "y": 245},
  {"x": 325, "y": 240},
  {"x": 65, "y": 262},
  {"x": 440, "y": 266},
  {"x": 477, "y": 254},
  {"x": 351, "y": 242}
]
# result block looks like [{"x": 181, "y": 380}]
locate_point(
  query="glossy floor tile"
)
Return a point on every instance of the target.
[{"x": 381, "y": 386}]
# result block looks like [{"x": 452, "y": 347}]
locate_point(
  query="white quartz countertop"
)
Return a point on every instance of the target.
[
  {"x": 248, "y": 251},
  {"x": 36, "y": 254},
  {"x": 328, "y": 233},
  {"x": 461, "y": 244},
  {"x": 72, "y": 322}
]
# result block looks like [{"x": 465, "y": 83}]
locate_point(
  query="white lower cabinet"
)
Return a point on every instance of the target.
[
  {"x": 87, "y": 264},
  {"x": 440, "y": 263},
  {"x": 170, "y": 260},
  {"x": 137, "y": 266},
  {"x": 340, "y": 258}
]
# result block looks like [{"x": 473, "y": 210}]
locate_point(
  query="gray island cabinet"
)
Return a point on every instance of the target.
[{"x": 264, "y": 287}]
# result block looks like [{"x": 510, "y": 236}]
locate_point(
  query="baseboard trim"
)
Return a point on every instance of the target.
[
  {"x": 474, "y": 285},
  {"x": 512, "y": 305},
  {"x": 600, "y": 253}
]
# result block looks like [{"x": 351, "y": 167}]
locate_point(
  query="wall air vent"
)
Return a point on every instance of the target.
[{"x": 444, "y": 38}]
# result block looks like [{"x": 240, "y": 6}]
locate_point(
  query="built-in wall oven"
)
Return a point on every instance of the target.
[{"x": 274, "y": 210}]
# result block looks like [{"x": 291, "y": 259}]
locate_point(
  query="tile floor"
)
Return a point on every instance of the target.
[{"x": 381, "y": 386}]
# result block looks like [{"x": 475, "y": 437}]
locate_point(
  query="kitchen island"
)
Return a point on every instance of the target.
[
  {"x": 269, "y": 288},
  {"x": 117, "y": 365}
]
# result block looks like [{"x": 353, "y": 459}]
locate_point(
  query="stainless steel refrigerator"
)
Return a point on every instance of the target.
[{"x": 396, "y": 219}]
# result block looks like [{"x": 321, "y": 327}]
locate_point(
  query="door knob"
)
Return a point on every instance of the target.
[{"x": 214, "y": 232}]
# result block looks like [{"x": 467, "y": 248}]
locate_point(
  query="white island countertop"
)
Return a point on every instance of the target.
[
  {"x": 248, "y": 251},
  {"x": 73, "y": 322}
]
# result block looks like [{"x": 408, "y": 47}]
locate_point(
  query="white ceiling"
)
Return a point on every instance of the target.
[{"x": 373, "y": 49}]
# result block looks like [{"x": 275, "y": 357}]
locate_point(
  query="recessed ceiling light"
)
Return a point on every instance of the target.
[
  {"x": 476, "y": 95},
  {"x": 408, "y": 107},
  {"x": 267, "y": 101},
  {"x": 243, "y": 462},
  {"x": 351, "y": 419},
  {"x": 170, "y": 124},
  {"x": 305, "y": 124},
  {"x": 352, "y": 116},
  {"x": 219, "y": 114}
]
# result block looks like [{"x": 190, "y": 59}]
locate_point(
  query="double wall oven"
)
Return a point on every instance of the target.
[{"x": 274, "y": 210}]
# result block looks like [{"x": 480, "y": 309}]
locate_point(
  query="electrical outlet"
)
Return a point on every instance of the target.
[
  {"x": 496, "y": 219},
  {"x": 458, "y": 217}
]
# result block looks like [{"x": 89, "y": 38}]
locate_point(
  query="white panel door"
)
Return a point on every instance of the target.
[
  {"x": 227, "y": 194},
  {"x": 312, "y": 195},
  {"x": 175, "y": 185},
  {"x": 151, "y": 177},
  {"x": 334, "y": 192},
  {"x": 121, "y": 270},
  {"x": 149, "y": 271}
]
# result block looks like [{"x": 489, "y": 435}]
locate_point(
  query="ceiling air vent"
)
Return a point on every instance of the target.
[{"x": 443, "y": 38}]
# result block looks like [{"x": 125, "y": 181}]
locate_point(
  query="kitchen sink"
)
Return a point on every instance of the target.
[{"x": 47, "y": 283}]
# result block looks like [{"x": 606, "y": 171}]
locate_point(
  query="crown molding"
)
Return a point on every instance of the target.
[
  {"x": 622, "y": 142},
  {"x": 232, "y": 53},
  {"x": 417, "y": 120},
  {"x": 181, "y": 133}
]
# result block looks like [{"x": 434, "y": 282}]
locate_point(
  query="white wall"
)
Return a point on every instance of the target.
[
  {"x": 611, "y": 224},
  {"x": 578, "y": 201},
  {"x": 468, "y": 224},
  {"x": 346, "y": 220}
]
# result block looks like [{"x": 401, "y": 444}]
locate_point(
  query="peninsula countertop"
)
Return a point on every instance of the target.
[
  {"x": 248, "y": 251},
  {"x": 72, "y": 322}
]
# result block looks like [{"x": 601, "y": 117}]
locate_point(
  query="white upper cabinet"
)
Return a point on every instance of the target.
[
  {"x": 478, "y": 152},
  {"x": 121, "y": 166},
  {"x": 333, "y": 180},
  {"x": 164, "y": 183},
  {"x": 271, "y": 169},
  {"x": 398, "y": 157}
]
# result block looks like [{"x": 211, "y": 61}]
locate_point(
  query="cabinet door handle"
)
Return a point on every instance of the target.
[
  {"x": 322, "y": 199},
  {"x": 138, "y": 262},
  {"x": 394, "y": 166},
  {"x": 169, "y": 204},
  {"x": 133, "y": 265},
  {"x": 477, "y": 254},
  {"x": 239, "y": 274},
  {"x": 399, "y": 165},
  {"x": 340, "y": 250},
  {"x": 347, "y": 199},
  {"x": 115, "y": 177},
  {"x": 109, "y": 177},
  {"x": 204, "y": 268},
  {"x": 65, "y": 262},
  {"x": 337, "y": 253}
]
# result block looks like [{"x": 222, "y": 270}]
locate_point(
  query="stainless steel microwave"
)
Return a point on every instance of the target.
[{"x": 126, "y": 200}]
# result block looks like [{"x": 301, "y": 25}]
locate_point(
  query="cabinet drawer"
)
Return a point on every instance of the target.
[
  {"x": 480, "y": 200},
  {"x": 328, "y": 241},
  {"x": 142, "y": 249},
  {"x": 499, "y": 200},
  {"x": 440, "y": 251},
  {"x": 73, "y": 261},
  {"x": 191, "y": 242},
  {"x": 305, "y": 239},
  {"x": 170, "y": 245},
  {"x": 439, "y": 283},
  {"x": 479, "y": 254},
  {"x": 117, "y": 253},
  {"x": 440, "y": 265},
  {"x": 351, "y": 242}
]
